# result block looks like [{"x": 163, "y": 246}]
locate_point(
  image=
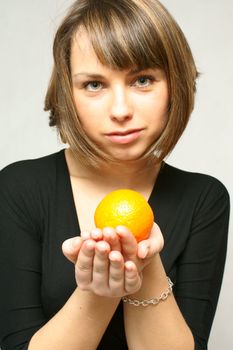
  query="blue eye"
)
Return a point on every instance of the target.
[
  {"x": 93, "y": 85},
  {"x": 144, "y": 81}
]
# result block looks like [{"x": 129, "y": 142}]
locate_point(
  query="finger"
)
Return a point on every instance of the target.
[
  {"x": 101, "y": 265},
  {"x": 110, "y": 236},
  {"x": 143, "y": 249},
  {"x": 128, "y": 242},
  {"x": 84, "y": 264},
  {"x": 85, "y": 235},
  {"x": 116, "y": 272},
  {"x": 71, "y": 248},
  {"x": 96, "y": 234},
  {"x": 132, "y": 278},
  {"x": 153, "y": 245}
]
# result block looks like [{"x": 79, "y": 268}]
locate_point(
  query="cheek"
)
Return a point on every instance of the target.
[
  {"x": 88, "y": 117},
  {"x": 162, "y": 99},
  {"x": 154, "y": 108},
  {"x": 80, "y": 105},
  {"x": 88, "y": 107},
  {"x": 83, "y": 110}
]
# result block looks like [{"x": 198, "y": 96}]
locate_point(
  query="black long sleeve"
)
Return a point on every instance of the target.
[{"x": 37, "y": 214}]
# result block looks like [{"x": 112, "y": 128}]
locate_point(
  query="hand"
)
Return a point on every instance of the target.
[
  {"x": 102, "y": 271},
  {"x": 119, "y": 239},
  {"x": 122, "y": 236},
  {"x": 71, "y": 246},
  {"x": 140, "y": 253},
  {"x": 153, "y": 245}
]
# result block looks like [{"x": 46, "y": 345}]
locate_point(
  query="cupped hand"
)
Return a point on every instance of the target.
[
  {"x": 109, "y": 262},
  {"x": 71, "y": 246},
  {"x": 119, "y": 239},
  {"x": 140, "y": 253},
  {"x": 100, "y": 269}
]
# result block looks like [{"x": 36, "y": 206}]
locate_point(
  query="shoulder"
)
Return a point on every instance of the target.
[
  {"x": 29, "y": 181},
  {"x": 30, "y": 171},
  {"x": 200, "y": 187},
  {"x": 26, "y": 188},
  {"x": 192, "y": 180},
  {"x": 31, "y": 166}
]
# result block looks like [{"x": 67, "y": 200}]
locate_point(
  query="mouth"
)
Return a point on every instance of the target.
[{"x": 125, "y": 136}]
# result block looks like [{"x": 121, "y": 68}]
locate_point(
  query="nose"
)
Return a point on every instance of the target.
[{"x": 121, "y": 107}]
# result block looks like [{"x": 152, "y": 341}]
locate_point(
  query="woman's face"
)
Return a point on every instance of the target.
[{"x": 122, "y": 112}]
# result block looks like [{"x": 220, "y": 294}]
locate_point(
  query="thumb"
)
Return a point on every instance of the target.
[
  {"x": 153, "y": 245},
  {"x": 71, "y": 247}
]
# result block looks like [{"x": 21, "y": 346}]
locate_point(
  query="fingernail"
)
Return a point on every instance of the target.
[
  {"x": 144, "y": 254},
  {"x": 96, "y": 233},
  {"x": 129, "y": 266},
  {"x": 114, "y": 256},
  {"x": 85, "y": 235}
]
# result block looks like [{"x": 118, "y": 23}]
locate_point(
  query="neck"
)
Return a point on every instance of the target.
[{"x": 129, "y": 174}]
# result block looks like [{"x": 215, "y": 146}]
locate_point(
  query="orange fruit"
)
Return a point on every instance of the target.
[{"x": 128, "y": 208}]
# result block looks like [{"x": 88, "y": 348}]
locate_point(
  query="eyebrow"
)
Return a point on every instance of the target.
[
  {"x": 88, "y": 74},
  {"x": 99, "y": 76}
]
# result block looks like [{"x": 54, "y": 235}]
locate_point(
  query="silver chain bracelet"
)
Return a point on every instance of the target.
[{"x": 154, "y": 301}]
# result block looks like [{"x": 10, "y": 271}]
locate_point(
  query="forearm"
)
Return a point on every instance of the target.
[
  {"x": 80, "y": 324},
  {"x": 160, "y": 327}
]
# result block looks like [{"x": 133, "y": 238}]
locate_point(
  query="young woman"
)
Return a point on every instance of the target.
[{"x": 121, "y": 93}]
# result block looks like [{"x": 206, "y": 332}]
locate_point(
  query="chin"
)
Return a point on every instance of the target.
[
  {"x": 130, "y": 157},
  {"x": 128, "y": 154}
]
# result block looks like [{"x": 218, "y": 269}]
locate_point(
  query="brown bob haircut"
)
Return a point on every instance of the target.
[{"x": 124, "y": 34}]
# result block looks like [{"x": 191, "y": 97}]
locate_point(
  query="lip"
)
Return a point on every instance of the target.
[{"x": 124, "y": 136}]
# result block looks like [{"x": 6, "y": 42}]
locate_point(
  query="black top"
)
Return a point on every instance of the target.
[{"x": 37, "y": 213}]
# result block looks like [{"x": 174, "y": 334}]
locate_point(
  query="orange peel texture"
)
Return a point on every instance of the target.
[{"x": 128, "y": 208}]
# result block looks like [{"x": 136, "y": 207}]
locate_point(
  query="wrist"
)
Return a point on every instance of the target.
[
  {"x": 154, "y": 280},
  {"x": 153, "y": 301},
  {"x": 90, "y": 300}
]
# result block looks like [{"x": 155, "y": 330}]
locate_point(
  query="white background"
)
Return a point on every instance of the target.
[{"x": 27, "y": 28}]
